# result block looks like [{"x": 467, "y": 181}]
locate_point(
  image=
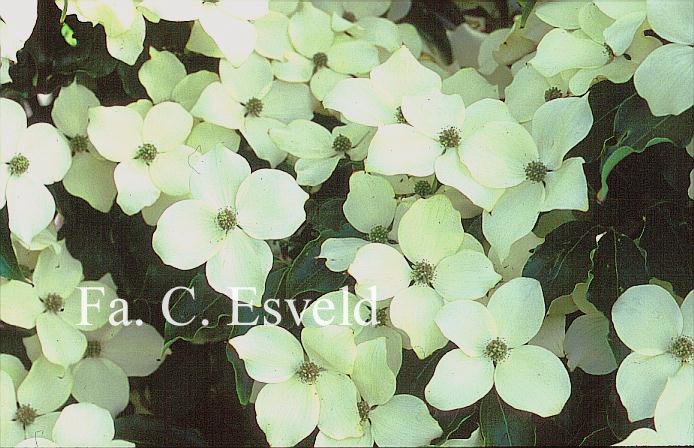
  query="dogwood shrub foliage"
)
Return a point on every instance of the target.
[{"x": 346, "y": 223}]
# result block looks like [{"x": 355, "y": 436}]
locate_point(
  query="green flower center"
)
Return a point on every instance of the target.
[
  {"x": 422, "y": 273},
  {"x": 254, "y": 107},
  {"x": 399, "y": 116},
  {"x": 53, "y": 303},
  {"x": 226, "y": 219},
  {"x": 363, "y": 408},
  {"x": 308, "y": 372},
  {"x": 79, "y": 143},
  {"x": 378, "y": 234},
  {"x": 19, "y": 164},
  {"x": 320, "y": 60},
  {"x": 342, "y": 143},
  {"x": 26, "y": 415},
  {"x": 496, "y": 350},
  {"x": 552, "y": 94},
  {"x": 93, "y": 349},
  {"x": 382, "y": 317},
  {"x": 535, "y": 171},
  {"x": 423, "y": 188},
  {"x": 609, "y": 51},
  {"x": 147, "y": 153},
  {"x": 682, "y": 348},
  {"x": 449, "y": 138}
]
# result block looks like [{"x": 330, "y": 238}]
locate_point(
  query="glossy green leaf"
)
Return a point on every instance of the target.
[
  {"x": 503, "y": 425},
  {"x": 563, "y": 259},
  {"x": 617, "y": 264},
  {"x": 638, "y": 130}
]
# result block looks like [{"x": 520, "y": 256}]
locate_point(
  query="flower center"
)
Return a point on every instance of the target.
[
  {"x": 496, "y": 350},
  {"x": 552, "y": 94},
  {"x": 226, "y": 219},
  {"x": 79, "y": 143},
  {"x": 342, "y": 143},
  {"x": 320, "y": 60},
  {"x": 53, "y": 303},
  {"x": 254, "y": 107},
  {"x": 399, "y": 116},
  {"x": 682, "y": 348},
  {"x": 609, "y": 51},
  {"x": 423, "y": 188},
  {"x": 93, "y": 349},
  {"x": 422, "y": 273},
  {"x": 19, "y": 164},
  {"x": 26, "y": 415},
  {"x": 382, "y": 317},
  {"x": 363, "y": 408},
  {"x": 449, "y": 138},
  {"x": 535, "y": 171},
  {"x": 378, "y": 234},
  {"x": 308, "y": 372},
  {"x": 147, "y": 153}
]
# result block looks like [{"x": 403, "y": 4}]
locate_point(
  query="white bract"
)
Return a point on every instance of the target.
[
  {"x": 492, "y": 352},
  {"x": 441, "y": 267},
  {"x": 660, "y": 333},
  {"x": 303, "y": 390},
  {"x": 90, "y": 176},
  {"x": 230, "y": 214},
  {"x": 148, "y": 151},
  {"x": 30, "y": 158}
]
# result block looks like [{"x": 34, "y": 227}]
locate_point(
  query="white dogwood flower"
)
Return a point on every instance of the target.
[
  {"x": 53, "y": 305},
  {"x": 531, "y": 168},
  {"x": 151, "y": 153},
  {"x": 440, "y": 268},
  {"x": 30, "y": 158},
  {"x": 230, "y": 214},
  {"x": 27, "y": 404},
  {"x": 317, "y": 149},
  {"x": 431, "y": 124},
  {"x": 248, "y": 99},
  {"x": 303, "y": 390},
  {"x": 17, "y": 22},
  {"x": 648, "y": 320},
  {"x": 492, "y": 352},
  {"x": 377, "y": 100},
  {"x": 90, "y": 176}
]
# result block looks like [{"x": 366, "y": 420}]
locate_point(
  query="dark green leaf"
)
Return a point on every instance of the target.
[
  {"x": 667, "y": 241},
  {"x": 503, "y": 425},
  {"x": 528, "y": 6},
  {"x": 147, "y": 430},
  {"x": 242, "y": 382},
  {"x": 637, "y": 130},
  {"x": 563, "y": 259},
  {"x": 329, "y": 215},
  {"x": 308, "y": 273},
  {"x": 9, "y": 268},
  {"x": 617, "y": 264},
  {"x": 208, "y": 305}
]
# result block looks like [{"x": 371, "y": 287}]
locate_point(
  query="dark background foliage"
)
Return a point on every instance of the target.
[{"x": 199, "y": 396}]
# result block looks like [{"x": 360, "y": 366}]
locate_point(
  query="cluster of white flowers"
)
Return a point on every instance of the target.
[{"x": 432, "y": 144}]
